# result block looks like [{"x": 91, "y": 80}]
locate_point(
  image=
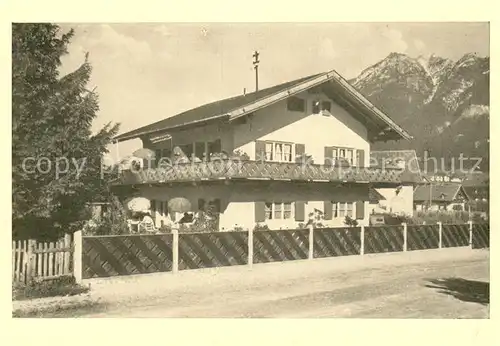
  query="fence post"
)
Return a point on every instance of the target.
[
  {"x": 362, "y": 246},
  {"x": 440, "y": 226},
  {"x": 77, "y": 256},
  {"x": 470, "y": 233},
  {"x": 405, "y": 236},
  {"x": 250, "y": 247},
  {"x": 67, "y": 253},
  {"x": 31, "y": 263},
  {"x": 175, "y": 249},
  {"x": 311, "y": 242}
]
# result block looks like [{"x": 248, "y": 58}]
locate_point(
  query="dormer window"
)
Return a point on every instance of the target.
[
  {"x": 316, "y": 106},
  {"x": 321, "y": 106},
  {"x": 326, "y": 106},
  {"x": 296, "y": 104}
]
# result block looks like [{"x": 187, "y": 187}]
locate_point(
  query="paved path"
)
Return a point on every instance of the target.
[{"x": 398, "y": 285}]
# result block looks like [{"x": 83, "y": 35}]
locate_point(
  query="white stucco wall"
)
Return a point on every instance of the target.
[
  {"x": 238, "y": 201},
  {"x": 315, "y": 131},
  {"x": 400, "y": 203}
]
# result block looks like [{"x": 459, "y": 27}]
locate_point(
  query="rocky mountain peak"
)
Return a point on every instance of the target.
[{"x": 443, "y": 103}]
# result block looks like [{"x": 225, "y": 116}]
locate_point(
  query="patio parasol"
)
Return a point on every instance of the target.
[
  {"x": 144, "y": 153},
  {"x": 139, "y": 204},
  {"x": 179, "y": 205}
]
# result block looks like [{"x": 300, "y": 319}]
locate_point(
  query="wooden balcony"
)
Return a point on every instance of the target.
[{"x": 260, "y": 170}]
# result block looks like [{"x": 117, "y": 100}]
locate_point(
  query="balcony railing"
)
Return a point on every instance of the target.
[{"x": 259, "y": 170}]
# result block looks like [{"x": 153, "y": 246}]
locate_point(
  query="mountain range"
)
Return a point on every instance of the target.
[{"x": 443, "y": 104}]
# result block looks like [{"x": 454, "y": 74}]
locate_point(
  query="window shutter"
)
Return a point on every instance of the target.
[
  {"x": 328, "y": 156},
  {"x": 360, "y": 210},
  {"x": 214, "y": 147},
  {"x": 153, "y": 208},
  {"x": 361, "y": 158},
  {"x": 260, "y": 148},
  {"x": 165, "y": 208},
  {"x": 300, "y": 212},
  {"x": 260, "y": 211},
  {"x": 201, "y": 204},
  {"x": 328, "y": 210},
  {"x": 217, "y": 205},
  {"x": 300, "y": 149}
]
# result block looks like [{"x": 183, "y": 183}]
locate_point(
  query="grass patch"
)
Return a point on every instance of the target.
[{"x": 59, "y": 287}]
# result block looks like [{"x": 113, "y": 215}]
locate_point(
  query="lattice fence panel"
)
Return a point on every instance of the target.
[
  {"x": 383, "y": 239},
  {"x": 330, "y": 242},
  {"x": 280, "y": 245},
  {"x": 422, "y": 237},
  {"x": 105, "y": 256},
  {"x": 480, "y": 236},
  {"x": 455, "y": 235},
  {"x": 207, "y": 250}
]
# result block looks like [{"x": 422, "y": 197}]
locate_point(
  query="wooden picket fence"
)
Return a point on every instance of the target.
[
  {"x": 32, "y": 260},
  {"x": 104, "y": 256}
]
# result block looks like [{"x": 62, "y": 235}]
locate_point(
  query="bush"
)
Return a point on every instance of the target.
[
  {"x": 114, "y": 222},
  {"x": 63, "y": 286},
  {"x": 432, "y": 217},
  {"x": 350, "y": 222},
  {"x": 261, "y": 227}
]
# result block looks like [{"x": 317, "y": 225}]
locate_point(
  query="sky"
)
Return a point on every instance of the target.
[{"x": 147, "y": 72}]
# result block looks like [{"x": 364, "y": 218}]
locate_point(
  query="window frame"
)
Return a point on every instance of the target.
[
  {"x": 336, "y": 154},
  {"x": 273, "y": 156},
  {"x": 272, "y": 208},
  {"x": 290, "y": 101},
  {"x": 342, "y": 209}
]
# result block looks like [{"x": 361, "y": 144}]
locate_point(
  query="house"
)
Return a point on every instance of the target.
[
  {"x": 477, "y": 187},
  {"x": 396, "y": 199},
  {"x": 289, "y": 150},
  {"x": 444, "y": 196}
]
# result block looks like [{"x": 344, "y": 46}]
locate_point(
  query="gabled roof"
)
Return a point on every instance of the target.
[
  {"x": 447, "y": 192},
  {"x": 375, "y": 196},
  {"x": 391, "y": 159},
  {"x": 230, "y": 109}
]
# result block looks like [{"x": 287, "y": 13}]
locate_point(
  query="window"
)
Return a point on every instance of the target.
[
  {"x": 278, "y": 211},
  {"x": 295, "y": 104},
  {"x": 316, "y": 106},
  {"x": 343, "y": 154},
  {"x": 269, "y": 151},
  {"x": 287, "y": 210},
  {"x": 281, "y": 152},
  {"x": 269, "y": 211},
  {"x": 349, "y": 208},
  {"x": 326, "y": 106},
  {"x": 320, "y": 106},
  {"x": 349, "y": 157},
  {"x": 342, "y": 209}
]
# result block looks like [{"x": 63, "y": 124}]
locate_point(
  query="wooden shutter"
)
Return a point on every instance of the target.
[
  {"x": 217, "y": 205},
  {"x": 260, "y": 150},
  {"x": 361, "y": 158},
  {"x": 201, "y": 204},
  {"x": 300, "y": 211},
  {"x": 161, "y": 209},
  {"x": 199, "y": 149},
  {"x": 260, "y": 211},
  {"x": 328, "y": 210},
  {"x": 328, "y": 155},
  {"x": 360, "y": 210},
  {"x": 153, "y": 208},
  {"x": 300, "y": 149}
]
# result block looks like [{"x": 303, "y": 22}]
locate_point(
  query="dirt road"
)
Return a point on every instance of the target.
[{"x": 451, "y": 283}]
